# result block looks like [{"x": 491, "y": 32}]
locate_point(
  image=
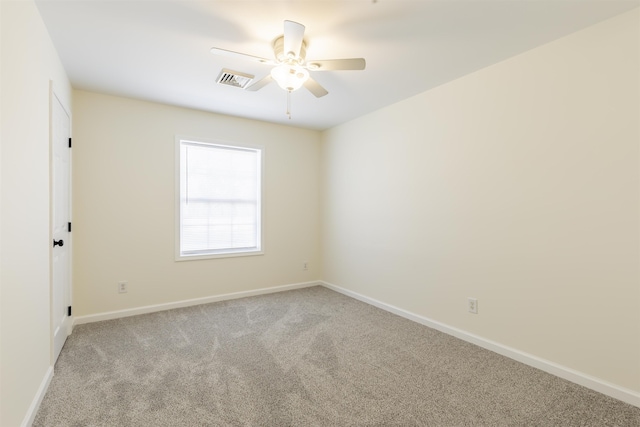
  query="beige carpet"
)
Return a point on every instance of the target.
[{"x": 310, "y": 357}]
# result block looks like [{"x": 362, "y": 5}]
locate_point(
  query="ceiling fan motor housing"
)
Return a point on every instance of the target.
[{"x": 281, "y": 55}]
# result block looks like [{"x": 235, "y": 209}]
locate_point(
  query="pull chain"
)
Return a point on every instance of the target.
[{"x": 289, "y": 104}]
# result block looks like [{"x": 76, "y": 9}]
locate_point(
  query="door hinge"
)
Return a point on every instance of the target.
[
  {"x": 69, "y": 142},
  {"x": 69, "y": 227},
  {"x": 69, "y": 311}
]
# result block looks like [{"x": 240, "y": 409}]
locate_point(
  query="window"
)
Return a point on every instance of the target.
[{"x": 219, "y": 200}]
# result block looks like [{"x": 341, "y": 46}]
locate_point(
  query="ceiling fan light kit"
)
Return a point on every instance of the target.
[
  {"x": 291, "y": 70},
  {"x": 289, "y": 77}
]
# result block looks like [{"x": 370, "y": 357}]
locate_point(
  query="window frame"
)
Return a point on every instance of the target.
[{"x": 178, "y": 214}]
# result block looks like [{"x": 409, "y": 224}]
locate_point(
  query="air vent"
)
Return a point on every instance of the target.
[{"x": 234, "y": 78}]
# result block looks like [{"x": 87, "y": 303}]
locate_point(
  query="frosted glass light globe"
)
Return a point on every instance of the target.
[{"x": 289, "y": 77}]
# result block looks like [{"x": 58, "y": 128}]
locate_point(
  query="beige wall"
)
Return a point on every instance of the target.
[
  {"x": 124, "y": 201},
  {"x": 517, "y": 185},
  {"x": 29, "y": 62}
]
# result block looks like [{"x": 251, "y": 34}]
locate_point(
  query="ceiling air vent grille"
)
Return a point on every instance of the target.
[{"x": 234, "y": 78}]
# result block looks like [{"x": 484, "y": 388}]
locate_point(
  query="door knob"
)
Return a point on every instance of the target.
[{"x": 58, "y": 243}]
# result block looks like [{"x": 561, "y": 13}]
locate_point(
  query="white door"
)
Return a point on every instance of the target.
[{"x": 61, "y": 253}]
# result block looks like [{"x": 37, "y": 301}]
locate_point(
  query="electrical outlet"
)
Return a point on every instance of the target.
[
  {"x": 305, "y": 265},
  {"x": 123, "y": 287},
  {"x": 472, "y": 304}
]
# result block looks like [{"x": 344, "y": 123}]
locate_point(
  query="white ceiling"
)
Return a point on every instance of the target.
[{"x": 159, "y": 50}]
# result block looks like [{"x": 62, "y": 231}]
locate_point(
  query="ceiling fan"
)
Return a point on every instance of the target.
[{"x": 291, "y": 69}]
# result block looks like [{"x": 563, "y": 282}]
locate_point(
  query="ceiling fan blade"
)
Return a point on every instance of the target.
[
  {"x": 315, "y": 88},
  {"x": 293, "y": 36},
  {"x": 260, "y": 83},
  {"x": 337, "y": 64},
  {"x": 232, "y": 54}
]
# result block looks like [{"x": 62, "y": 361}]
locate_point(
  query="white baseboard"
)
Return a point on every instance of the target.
[
  {"x": 37, "y": 400},
  {"x": 601, "y": 386},
  {"x": 187, "y": 303}
]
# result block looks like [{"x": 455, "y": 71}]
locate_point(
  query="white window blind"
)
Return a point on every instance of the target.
[{"x": 220, "y": 199}]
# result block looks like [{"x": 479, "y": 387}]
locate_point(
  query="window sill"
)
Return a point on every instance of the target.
[{"x": 218, "y": 255}]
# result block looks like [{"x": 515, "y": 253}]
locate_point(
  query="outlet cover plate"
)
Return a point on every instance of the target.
[
  {"x": 122, "y": 287},
  {"x": 472, "y": 304}
]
